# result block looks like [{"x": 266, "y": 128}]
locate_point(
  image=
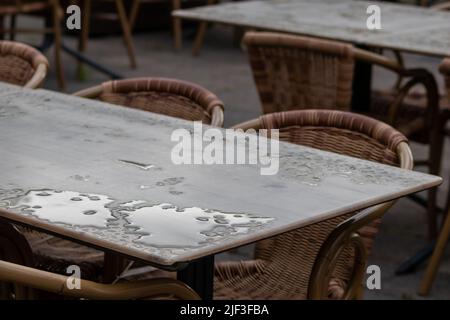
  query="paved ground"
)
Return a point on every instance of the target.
[{"x": 224, "y": 70}]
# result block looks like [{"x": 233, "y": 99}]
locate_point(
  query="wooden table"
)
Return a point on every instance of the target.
[{"x": 102, "y": 175}]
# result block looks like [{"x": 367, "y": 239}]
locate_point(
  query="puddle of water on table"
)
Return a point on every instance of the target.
[
  {"x": 65, "y": 207},
  {"x": 166, "y": 225},
  {"x": 136, "y": 223}
]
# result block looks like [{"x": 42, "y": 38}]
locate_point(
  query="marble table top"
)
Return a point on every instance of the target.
[
  {"x": 403, "y": 27},
  {"x": 102, "y": 175}
]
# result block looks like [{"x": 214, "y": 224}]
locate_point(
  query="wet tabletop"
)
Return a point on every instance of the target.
[
  {"x": 404, "y": 27},
  {"x": 103, "y": 175}
]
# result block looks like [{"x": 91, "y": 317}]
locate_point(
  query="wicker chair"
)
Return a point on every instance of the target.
[
  {"x": 294, "y": 72},
  {"x": 13, "y": 8},
  {"x": 324, "y": 260},
  {"x": 22, "y": 65},
  {"x": 170, "y": 97},
  {"x": 444, "y": 236}
]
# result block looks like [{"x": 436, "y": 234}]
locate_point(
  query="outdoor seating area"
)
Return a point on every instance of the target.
[{"x": 224, "y": 150}]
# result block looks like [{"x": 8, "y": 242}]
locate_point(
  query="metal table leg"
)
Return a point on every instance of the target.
[
  {"x": 362, "y": 86},
  {"x": 199, "y": 275}
]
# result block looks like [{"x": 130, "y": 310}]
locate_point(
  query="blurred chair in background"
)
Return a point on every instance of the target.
[
  {"x": 22, "y": 65},
  {"x": 13, "y": 8}
]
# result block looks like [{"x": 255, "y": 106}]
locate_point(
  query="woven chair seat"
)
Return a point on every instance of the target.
[
  {"x": 55, "y": 255},
  {"x": 20, "y": 63},
  {"x": 162, "y": 103},
  {"x": 15, "y": 70},
  {"x": 413, "y": 107}
]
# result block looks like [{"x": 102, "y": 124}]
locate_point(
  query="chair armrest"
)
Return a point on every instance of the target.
[
  {"x": 345, "y": 234},
  {"x": 51, "y": 282},
  {"x": 89, "y": 93},
  {"x": 417, "y": 77},
  {"x": 38, "y": 77},
  {"x": 217, "y": 117}
]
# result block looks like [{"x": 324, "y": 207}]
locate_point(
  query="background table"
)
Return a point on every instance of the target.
[
  {"x": 102, "y": 175},
  {"x": 404, "y": 27}
]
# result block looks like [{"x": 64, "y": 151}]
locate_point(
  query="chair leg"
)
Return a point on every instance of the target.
[
  {"x": 435, "y": 157},
  {"x": 2, "y": 27},
  {"x": 177, "y": 28},
  {"x": 58, "y": 46},
  {"x": 113, "y": 265},
  {"x": 84, "y": 35},
  {"x": 126, "y": 32},
  {"x": 433, "y": 265},
  {"x": 12, "y": 27},
  {"x": 134, "y": 11},
  {"x": 199, "y": 38}
]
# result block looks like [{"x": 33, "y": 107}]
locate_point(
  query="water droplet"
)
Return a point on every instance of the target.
[
  {"x": 80, "y": 178},
  {"x": 141, "y": 166},
  {"x": 89, "y": 212},
  {"x": 43, "y": 194},
  {"x": 221, "y": 221},
  {"x": 76, "y": 199}
]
